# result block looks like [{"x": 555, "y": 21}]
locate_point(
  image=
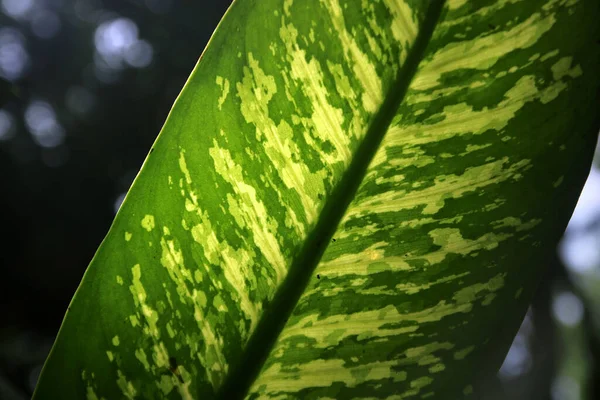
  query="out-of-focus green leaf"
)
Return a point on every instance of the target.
[{"x": 349, "y": 199}]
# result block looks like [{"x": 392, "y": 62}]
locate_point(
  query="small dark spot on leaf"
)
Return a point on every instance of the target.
[
  {"x": 318, "y": 276},
  {"x": 492, "y": 26},
  {"x": 173, "y": 368},
  {"x": 333, "y": 239},
  {"x": 151, "y": 150}
]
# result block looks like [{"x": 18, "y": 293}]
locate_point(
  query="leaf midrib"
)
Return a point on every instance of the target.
[{"x": 272, "y": 322}]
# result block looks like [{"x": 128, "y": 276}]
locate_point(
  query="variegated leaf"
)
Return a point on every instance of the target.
[{"x": 349, "y": 199}]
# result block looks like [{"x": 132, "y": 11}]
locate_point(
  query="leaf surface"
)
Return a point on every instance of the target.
[{"x": 349, "y": 199}]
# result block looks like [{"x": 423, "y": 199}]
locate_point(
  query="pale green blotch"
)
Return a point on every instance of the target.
[
  {"x": 198, "y": 276},
  {"x": 170, "y": 331},
  {"x": 474, "y": 147},
  {"x": 183, "y": 167},
  {"x": 437, "y": 368},
  {"x": 461, "y": 354},
  {"x": 421, "y": 382},
  {"x": 482, "y": 52},
  {"x": 172, "y": 259},
  {"x": 119, "y": 280},
  {"x": 115, "y": 341},
  {"x": 250, "y": 205},
  {"x": 445, "y": 187},
  {"x": 166, "y": 384},
  {"x": 549, "y": 55},
  {"x": 451, "y": 241},
  {"x": 342, "y": 83},
  {"x": 559, "y": 70},
  {"x": 110, "y": 356},
  {"x": 552, "y": 92},
  {"x": 134, "y": 320},
  {"x": 470, "y": 293},
  {"x": 404, "y": 27},
  {"x": 360, "y": 374},
  {"x": 219, "y": 304},
  {"x": 200, "y": 298},
  {"x": 148, "y": 222},
  {"x": 377, "y": 267},
  {"x": 422, "y": 353},
  {"x": 224, "y": 85},
  {"x": 374, "y": 46},
  {"x": 126, "y": 386},
  {"x": 255, "y": 92},
  {"x": 137, "y": 289},
  {"x": 558, "y": 182},
  {"x": 90, "y": 394},
  {"x": 516, "y": 223},
  {"x": 488, "y": 299},
  {"x": 127, "y": 236},
  {"x": 562, "y": 69},
  {"x": 139, "y": 297},
  {"x": 460, "y": 119},
  {"x": 468, "y": 390},
  {"x": 140, "y": 354},
  {"x": 364, "y": 70},
  {"x": 454, "y": 4},
  {"x": 411, "y": 288}
]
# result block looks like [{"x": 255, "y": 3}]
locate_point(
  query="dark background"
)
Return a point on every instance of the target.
[{"x": 86, "y": 86}]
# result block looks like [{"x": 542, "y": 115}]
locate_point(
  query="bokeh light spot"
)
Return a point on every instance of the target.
[
  {"x": 16, "y": 8},
  {"x": 13, "y": 56},
  {"x": 113, "y": 37},
  {"x": 567, "y": 309},
  {"x": 580, "y": 251},
  {"x": 41, "y": 121},
  {"x": 117, "y": 46},
  {"x": 139, "y": 54}
]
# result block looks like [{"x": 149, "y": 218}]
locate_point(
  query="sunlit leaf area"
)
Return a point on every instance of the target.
[{"x": 85, "y": 87}]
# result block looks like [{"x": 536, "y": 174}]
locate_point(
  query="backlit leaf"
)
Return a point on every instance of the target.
[{"x": 349, "y": 199}]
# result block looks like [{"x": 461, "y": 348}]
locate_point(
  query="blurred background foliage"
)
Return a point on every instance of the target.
[{"x": 85, "y": 86}]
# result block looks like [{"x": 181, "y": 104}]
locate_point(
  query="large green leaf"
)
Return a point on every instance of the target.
[{"x": 349, "y": 199}]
